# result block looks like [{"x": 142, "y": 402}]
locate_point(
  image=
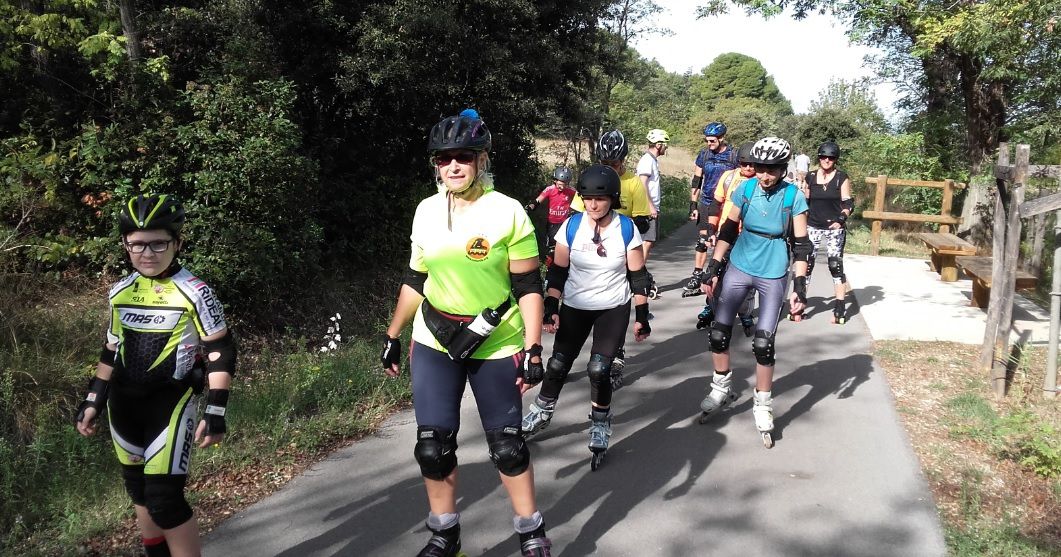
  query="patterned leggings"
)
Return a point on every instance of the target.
[{"x": 834, "y": 246}]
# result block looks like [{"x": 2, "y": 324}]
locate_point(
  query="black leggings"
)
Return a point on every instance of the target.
[
  {"x": 609, "y": 334},
  {"x": 438, "y": 386}
]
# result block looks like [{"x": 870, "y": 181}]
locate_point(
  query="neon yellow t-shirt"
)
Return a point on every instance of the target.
[
  {"x": 467, "y": 267},
  {"x": 633, "y": 200}
]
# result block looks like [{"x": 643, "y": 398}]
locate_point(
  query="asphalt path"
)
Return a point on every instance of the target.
[{"x": 840, "y": 480}]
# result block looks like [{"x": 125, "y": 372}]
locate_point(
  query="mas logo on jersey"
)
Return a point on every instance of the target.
[{"x": 478, "y": 248}]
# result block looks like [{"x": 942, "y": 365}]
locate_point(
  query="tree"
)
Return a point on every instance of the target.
[{"x": 734, "y": 75}]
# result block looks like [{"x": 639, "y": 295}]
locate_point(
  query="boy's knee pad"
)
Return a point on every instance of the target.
[
  {"x": 133, "y": 477},
  {"x": 720, "y": 337},
  {"x": 164, "y": 499},
  {"x": 763, "y": 348},
  {"x": 508, "y": 450},
  {"x": 435, "y": 452}
]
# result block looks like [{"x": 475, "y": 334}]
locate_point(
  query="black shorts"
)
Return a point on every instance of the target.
[{"x": 701, "y": 219}]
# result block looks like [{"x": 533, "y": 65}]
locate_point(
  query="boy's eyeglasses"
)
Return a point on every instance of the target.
[
  {"x": 463, "y": 157},
  {"x": 156, "y": 246},
  {"x": 601, "y": 252}
]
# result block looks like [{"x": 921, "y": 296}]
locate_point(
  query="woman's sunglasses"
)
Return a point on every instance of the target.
[
  {"x": 600, "y": 245},
  {"x": 463, "y": 157},
  {"x": 826, "y": 158}
]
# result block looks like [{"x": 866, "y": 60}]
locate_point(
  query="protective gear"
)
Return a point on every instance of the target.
[
  {"x": 164, "y": 499},
  {"x": 763, "y": 348},
  {"x": 533, "y": 373},
  {"x": 152, "y": 212},
  {"x": 658, "y": 136},
  {"x": 711, "y": 230},
  {"x": 711, "y": 271},
  {"x": 558, "y": 367},
  {"x": 642, "y": 223},
  {"x": 556, "y": 276},
  {"x": 612, "y": 146},
  {"x": 508, "y": 450},
  {"x": 225, "y": 350},
  {"x": 801, "y": 247},
  {"x": 771, "y": 151},
  {"x": 829, "y": 149},
  {"x": 435, "y": 452},
  {"x": 639, "y": 281},
  {"x": 106, "y": 355},
  {"x": 641, "y": 316},
  {"x": 459, "y": 132},
  {"x": 415, "y": 280},
  {"x": 599, "y": 180},
  {"x": 847, "y": 204},
  {"x": 842, "y": 219},
  {"x": 526, "y": 283},
  {"x": 728, "y": 231},
  {"x": 836, "y": 269},
  {"x": 799, "y": 286},
  {"x": 744, "y": 153},
  {"x": 156, "y": 547},
  {"x": 692, "y": 207},
  {"x": 552, "y": 309},
  {"x": 715, "y": 129},
  {"x": 214, "y": 415},
  {"x": 531, "y": 206},
  {"x": 720, "y": 337},
  {"x": 562, "y": 173},
  {"x": 599, "y": 369},
  {"x": 98, "y": 389},
  {"x": 392, "y": 352},
  {"x": 701, "y": 244},
  {"x": 696, "y": 182}
]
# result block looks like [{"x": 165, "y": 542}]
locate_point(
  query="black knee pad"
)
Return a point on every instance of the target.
[
  {"x": 508, "y": 450},
  {"x": 763, "y": 348},
  {"x": 558, "y": 367},
  {"x": 701, "y": 244},
  {"x": 599, "y": 368},
  {"x": 720, "y": 337},
  {"x": 164, "y": 499},
  {"x": 133, "y": 477},
  {"x": 435, "y": 452},
  {"x": 836, "y": 267}
]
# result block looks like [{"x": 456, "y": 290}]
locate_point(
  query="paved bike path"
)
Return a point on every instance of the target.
[{"x": 841, "y": 479}]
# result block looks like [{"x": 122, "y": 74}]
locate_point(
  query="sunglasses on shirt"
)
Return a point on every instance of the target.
[
  {"x": 601, "y": 252},
  {"x": 463, "y": 157}
]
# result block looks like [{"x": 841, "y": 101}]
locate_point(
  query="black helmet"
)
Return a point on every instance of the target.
[
  {"x": 829, "y": 149},
  {"x": 771, "y": 151},
  {"x": 459, "y": 132},
  {"x": 744, "y": 154},
  {"x": 562, "y": 173},
  {"x": 612, "y": 147},
  {"x": 599, "y": 180},
  {"x": 152, "y": 212}
]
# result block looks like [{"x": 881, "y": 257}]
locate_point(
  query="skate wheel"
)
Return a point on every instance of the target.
[
  {"x": 596, "y": 460},
  {"x": 768, "y": 439},
  {"x": 704, "y": 417}
]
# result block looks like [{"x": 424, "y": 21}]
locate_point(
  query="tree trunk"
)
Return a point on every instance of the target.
[
  {"x": 985, "y": 114},
  {"x": 1034, "y": 262},
  {"x": 130, "y": 31}
]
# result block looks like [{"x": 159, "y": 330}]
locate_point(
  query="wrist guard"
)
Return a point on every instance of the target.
[
  {"x": 216, "y": 403},
  {"x": 711, "y": 230},
  {"x": 641, "y": 316},
  {"x": 692, "y": 207},
  {"x": 848, "y": 204},
  {"x": 711, "y": 271},
  {"x": 799, "y": 286},
  {"x": 552, "y": 309},
  {"x": 98, "y": 389},
  {"x": 533, "y": 372},
  {"x": 392, "y": 352},
  {"x": 531, "y": 206},
  {"x": 842, "y": 219}
]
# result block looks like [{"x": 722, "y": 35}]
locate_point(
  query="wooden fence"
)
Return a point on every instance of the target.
[{"x": 878, "y": 214}]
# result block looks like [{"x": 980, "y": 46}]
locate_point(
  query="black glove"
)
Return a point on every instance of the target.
[
  {"x": 216, "y": 403},
  {"x": 712, "y": 230},
  {"x": 96, "y": 398},
  {"x": 641, "y": 316},
  {"x": 531, "y": 206},
  {"x": 392, "y": 352},
  {"x": 799, "y": 286},
  {"x": 533, "y": 373},
  {"x": 692, "y": 207},
  {"x": 552, "y": 309},
  {"x": 711, "y": 271}
]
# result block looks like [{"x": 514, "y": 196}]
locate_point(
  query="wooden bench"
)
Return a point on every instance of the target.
[
  {"x": 945, "y": 247},
  {"x": 979, "y": 270}
]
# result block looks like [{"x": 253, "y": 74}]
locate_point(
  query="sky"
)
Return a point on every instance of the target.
[{"x": 792, "y": 51}]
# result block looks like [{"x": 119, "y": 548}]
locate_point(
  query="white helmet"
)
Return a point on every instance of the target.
[
  {"x": 771, "y": 151},
  {"x": 658, "y": 136}
]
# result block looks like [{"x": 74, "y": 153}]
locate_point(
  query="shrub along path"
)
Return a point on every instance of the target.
[{"x": 841, "y": 480}]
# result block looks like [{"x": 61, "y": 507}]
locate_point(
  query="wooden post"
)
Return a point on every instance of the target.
[
  {"x": 878, "y": 205},
  {"x": 948, "y": 201},
  {"x": 1009, "y": 283},
  {"x": 1050, "y": 381},
  {"x": 998, "y": 237}
]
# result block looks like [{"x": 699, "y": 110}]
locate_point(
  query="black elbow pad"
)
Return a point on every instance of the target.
[
  {"x": 801, "y": 247},
  {"x": 220, "y": 354},
  {"x": 556, "y": 277},
  {"x": 415, "y": 280},
  {"x": 526, "y": 283},
  {"x": 728, "y": 232},
  {"x": 106, "y": 355},
  {"x": 639, "y": 281},
  {"x": 696, "y": 182}
]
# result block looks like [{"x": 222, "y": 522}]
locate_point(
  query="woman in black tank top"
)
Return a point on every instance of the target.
[{"x": 828, "y": 192}]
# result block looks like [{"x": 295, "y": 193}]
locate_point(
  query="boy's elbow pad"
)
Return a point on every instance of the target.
[{"x": 221, "y": 354}]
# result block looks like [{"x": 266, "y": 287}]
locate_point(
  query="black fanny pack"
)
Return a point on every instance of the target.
[{"x": 462, "y": 335}]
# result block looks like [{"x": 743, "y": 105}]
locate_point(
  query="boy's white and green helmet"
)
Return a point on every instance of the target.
[{"x": 152, "y": 212}]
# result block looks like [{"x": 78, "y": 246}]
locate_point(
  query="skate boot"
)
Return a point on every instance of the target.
[
  {"x": 763, "y": 412},
  {"x": 748, "y": 324},
  {"x": 537, "y": 419},
  {"x": 443, "y": 543},
  {"x": 704, "y": 319},
  {"x": 616, "y": 371},
  {"x": 719, "y": 397},
  {"x": 692, "y": 286},
  {"x": 535, "y": 544},
  {"x": 839, "y": 312},
  {"x": 600, "y": 431}
]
